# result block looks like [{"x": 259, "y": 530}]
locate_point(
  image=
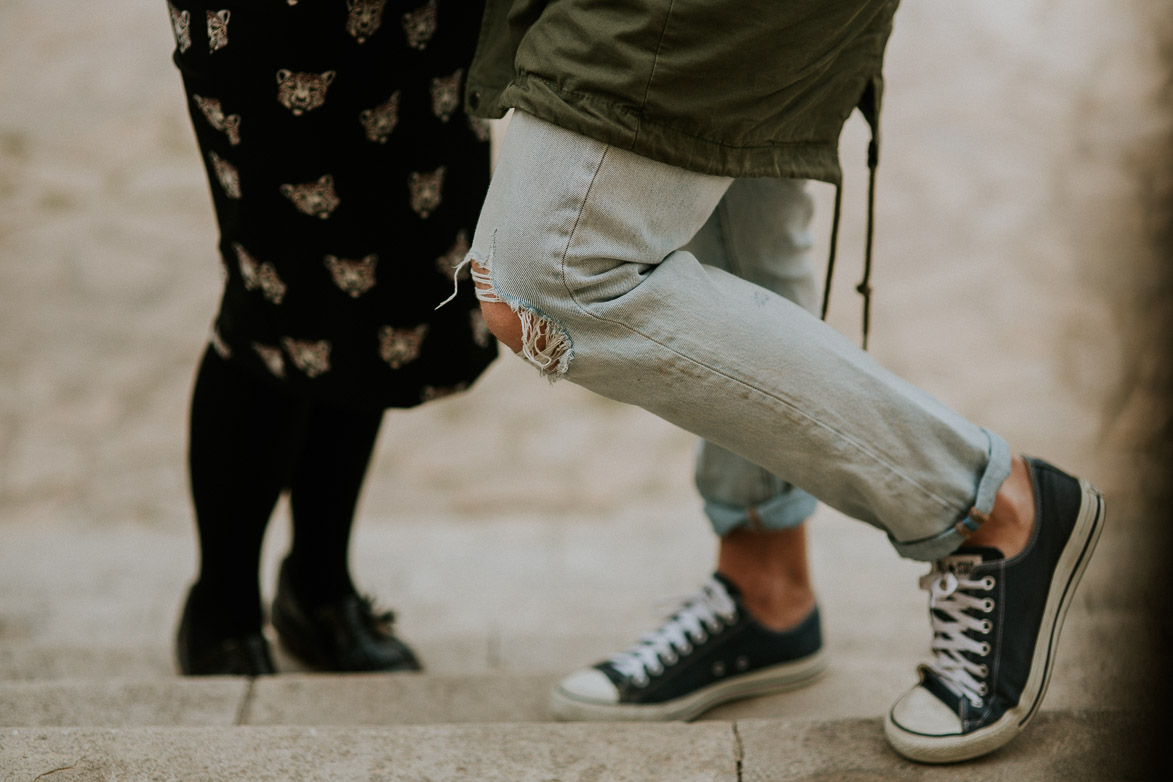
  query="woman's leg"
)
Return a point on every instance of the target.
[
  {"x": 243, "y": 433},
  {"x": 317, "y": 613},
  {"x": 323, "y": 494}
]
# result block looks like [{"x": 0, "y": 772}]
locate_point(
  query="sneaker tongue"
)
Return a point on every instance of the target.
[
  {"x": 730, "y": 587},
  {"x": 967, "y": 558}
]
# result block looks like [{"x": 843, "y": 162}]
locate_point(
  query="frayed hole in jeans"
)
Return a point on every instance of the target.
[{"x": 544, "y": 343}]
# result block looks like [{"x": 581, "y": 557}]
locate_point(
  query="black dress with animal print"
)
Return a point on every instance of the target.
[{"x": 347, "y": 181}]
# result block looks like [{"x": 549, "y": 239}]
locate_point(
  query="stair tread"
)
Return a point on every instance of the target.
[
  {"x": 1069, "y": 745},
  {"x": 849, "y": 689}
]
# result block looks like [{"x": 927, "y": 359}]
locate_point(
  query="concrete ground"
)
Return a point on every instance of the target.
[{"x": 523, "y": 529}]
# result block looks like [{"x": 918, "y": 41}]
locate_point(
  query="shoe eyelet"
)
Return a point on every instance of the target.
[
  {"x": 655, "y": 670},
  {"x": 985, "y": 649},
  {"x": 718, "y": 669},
  {"x": 741, "y": 663},
  {"x": 641, "y": 681},
  {"x": 670, "y": 658},
  {"x": 988, "y": 583},
  {"x": 983, "y": 671},
  {"x": 988, "y": 605},
  {"x": 983, "y": 689},
  {"x": 987, "y": 626},
  {"x": 701, "y": 637}
]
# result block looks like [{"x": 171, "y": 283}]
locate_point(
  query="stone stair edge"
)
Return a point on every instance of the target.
[{"x": 1070, "y": 745}]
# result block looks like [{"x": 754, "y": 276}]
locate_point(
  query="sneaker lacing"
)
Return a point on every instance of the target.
[
  {"x": 958, "y": 673},
  {"x": 704, "y": 613}
]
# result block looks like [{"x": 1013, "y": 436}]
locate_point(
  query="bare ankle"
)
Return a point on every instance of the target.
[
  {"x": 1013, "y": 516},
  {"x": 770, "y": 569}
]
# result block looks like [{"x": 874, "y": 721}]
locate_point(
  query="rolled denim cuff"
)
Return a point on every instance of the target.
[
  {"x": 781, "y": 512},
  {"x": 950, "y": 539}
]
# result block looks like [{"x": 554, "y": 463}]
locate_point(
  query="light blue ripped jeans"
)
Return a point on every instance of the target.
[
  {"x": 582, "y": 240},
  {"x": 760, "y": 231}
]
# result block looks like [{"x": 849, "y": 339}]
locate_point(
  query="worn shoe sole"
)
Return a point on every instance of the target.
[
  {"x": 1068, "y": 572},
  {"x": 777, "y": 678}
]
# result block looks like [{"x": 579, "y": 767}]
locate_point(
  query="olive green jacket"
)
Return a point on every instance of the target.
[{"x": 729, "y": 87}]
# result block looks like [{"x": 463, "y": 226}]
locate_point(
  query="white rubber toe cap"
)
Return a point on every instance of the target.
[
  {"x": 919, "y": 711},
  {"x": 590, "y": 684}
]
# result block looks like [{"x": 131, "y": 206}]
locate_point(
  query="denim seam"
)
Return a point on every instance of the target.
[
  {"x": 869, "y": 453},
  {"x": 735, "y": 266}
]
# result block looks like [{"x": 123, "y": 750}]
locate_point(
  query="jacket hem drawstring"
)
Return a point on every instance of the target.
[{"x": 869, "y": 106}]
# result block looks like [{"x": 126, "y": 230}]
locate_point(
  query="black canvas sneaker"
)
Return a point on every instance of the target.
[
  {"x": 996, "y": 624},
  {"x": 709, "y": 652}
]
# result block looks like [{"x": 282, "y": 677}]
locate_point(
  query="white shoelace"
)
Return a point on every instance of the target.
[
  {"x": 704, "y": 613},
  {"x": 950, "y": 643}
]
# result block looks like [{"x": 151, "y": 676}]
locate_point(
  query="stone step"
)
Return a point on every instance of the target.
[
  {"x": 854, "y": 686},
  {"x": 868, "y": 666},
  {"x": 1069, "y": 746}
]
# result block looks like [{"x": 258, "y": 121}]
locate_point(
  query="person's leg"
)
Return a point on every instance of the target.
[
  {"x": 243, "y": 432},
  {"x": 760, "y": 231},
  {"x": 317, "y": 613},
  {"x": 580, "y": 274},
  {"x": 323, "y": 497}
]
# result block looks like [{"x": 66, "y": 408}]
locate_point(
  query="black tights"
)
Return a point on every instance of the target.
[{"x": 251, "y": 440}]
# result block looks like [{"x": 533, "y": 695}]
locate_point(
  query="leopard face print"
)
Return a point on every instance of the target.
[
  {"x": 380, "y": 121},
  {"x": 226, "y": 175},
  {"x": 218, "y": 30},
  {"x": 353, "y": 277},
  {"x": 229, "y": 124},
  {"x": 401, "y": 346},
  {"x": 364, "y": 17},
  {"x": 181, "y": 24},
  {"x": 420, "y": 25},
  {"x": 316, "y": 199},
  {"x": 310, "y": 356},
  {"x": 302, "y": 92},
  {"x": 446, "y": 264},
  {"x": 446, "y": 95},
  {"x": 426, "y": 188},
  {"x": 271, "y": 357},
  {"x": 259, "y": 276}
]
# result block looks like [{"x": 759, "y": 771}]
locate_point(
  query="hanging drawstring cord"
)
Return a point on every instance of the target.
[
  {"x": 865, "y": 288},
  {"x": 834, "y": 249},
  {"x": 869, "y": 106}
]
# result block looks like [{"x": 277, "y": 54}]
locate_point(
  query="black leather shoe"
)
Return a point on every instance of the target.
[
  {"x": 246, "y": 655},
  {"x": 346, "y": 635}
]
